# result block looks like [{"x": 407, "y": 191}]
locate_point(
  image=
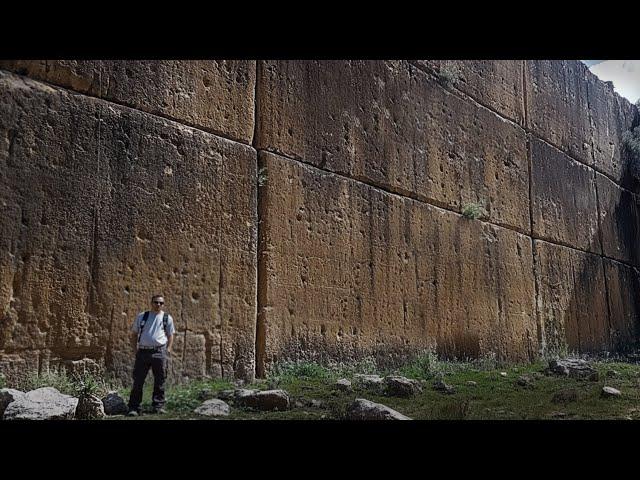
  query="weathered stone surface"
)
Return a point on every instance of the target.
[
  {"x": 572, "y": 299},
  {"x": 374, "y": 382},
  {"x": 619, "y": 221},
  {"x": 89, "y": 407},
  {"x": 497, "y": 84},
  {"x": 564, "y": 203},
  {"x": 8, "y": 395},
  {"x": 263, "y": 400},
  {"x": 558, "y": 107},
  {"x": 611, "y": 392},
  {"x": 390, "y": 124},
  {"x": 573, "y": 367},
  {"x": 215, "y": 95},
  {"x": 213, "y": 408},
  {"x": 401, "y": 386},
  {"x": 362, "y": 409},
  {"x": 343, "y": 385},
  {"x": 104, "y": 206},
  {"x": 114, "y": 404},
  {"x": 82, "y": 367},
  {"x": 350, "y": 271},
  {"x": 42, "y": 404},
  {"x": 611, "y": 116},
  {"x": 623, "y": 285}
]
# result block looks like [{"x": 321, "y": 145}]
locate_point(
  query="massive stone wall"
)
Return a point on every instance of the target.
[{"x": 312, "y": 210}]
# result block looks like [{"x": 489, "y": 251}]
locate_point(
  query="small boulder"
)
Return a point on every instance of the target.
[
  {"x": 45, "y": 403},
  {"x": 574, "y": 368},
  {"x": 226, "y": 395},
  {"x": 441, "y": 386},
  {"x": 343, "y": 385},
  {"x": 503, "y": 374},
  {"x": 89, "y": 407},
  {"x": 8, "y": 395},
  {"x": 401, "y": 386},
  {"x": 471, "y": 383},
  {"x": 610, "y": 392},
  {"x": 373, "y": 382},
  {"x": 525, "y": 381},
  {"x": 114, "y": 404},
  {"x": 263, "y": 400},
  {"x": 362, "y": 409},
  {"x": 213, "y": 408}
]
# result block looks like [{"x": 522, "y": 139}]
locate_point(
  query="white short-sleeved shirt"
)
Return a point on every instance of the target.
[{"x": 153, "y": 334}]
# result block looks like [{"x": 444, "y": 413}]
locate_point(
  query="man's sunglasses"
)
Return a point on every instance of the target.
[{"x": 159, "y": 303}]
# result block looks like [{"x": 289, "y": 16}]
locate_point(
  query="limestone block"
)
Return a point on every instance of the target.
[
  {"x": 350, "y": 270},
  {"x": 572, "y": 300},
  {"x": 215, "y": 95},
  {"x": 497, "y": 84},
  {"x": 623, "y": 285},
  {"x": 564, "y": 203},
  {"x": 619, "y": 221},
  {"x": 392, "y": 125},
  {"x": 105, "y": 206},
  {"x": 558, "y": 107}
]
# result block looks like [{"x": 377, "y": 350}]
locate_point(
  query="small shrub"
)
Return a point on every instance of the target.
[
  {"x": 474, "y": 211},
  {"x": 449, "y": 75},
  {"x": 58, "y": 380},
  {"x": 424, "y": 366},
  {"x": 262, "y": 176}
]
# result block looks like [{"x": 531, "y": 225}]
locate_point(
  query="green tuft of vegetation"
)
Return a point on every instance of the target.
[
  {"x": 303, "y": 369},
  {"x": 474, "y": 211},
  {"x": 262, "y": 176},
  {"x": 449, "y": 75},
  {"x": 78, "y": 384}
]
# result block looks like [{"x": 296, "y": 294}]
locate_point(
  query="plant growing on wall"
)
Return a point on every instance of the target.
[
  {"x": 474, "y": 211},
  {"x": 262, "y": 177},
  {"x": 449, "y": 75}
]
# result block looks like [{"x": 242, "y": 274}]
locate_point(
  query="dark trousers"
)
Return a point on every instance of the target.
[{"x": 157, "y": 361}]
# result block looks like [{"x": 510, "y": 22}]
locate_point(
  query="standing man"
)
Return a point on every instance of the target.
[{"x": 153, "y": 336}]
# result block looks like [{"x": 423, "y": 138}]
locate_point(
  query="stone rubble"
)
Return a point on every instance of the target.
[
  {"x": 362, "y": 409},
  {"x": 213, "y": 408},
  {"x": 45, "y": 403}
]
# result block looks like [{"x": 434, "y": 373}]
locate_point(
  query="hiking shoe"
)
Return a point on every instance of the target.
[{"x": 132, "y": 413}]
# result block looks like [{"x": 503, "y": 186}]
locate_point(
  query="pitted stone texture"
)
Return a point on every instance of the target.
[
  {"x": 213, "y": 408},
  {"x": 17, "y": 366},
  {"x": 623, "y": 285},
  {"x": 42, "y": 404},
  {"x": 572, "y": 299},
  {"x": 103, "y": 207},
  {"x": 558, "y": 107},
  {"x": 114, "y": 404},
  {"x": 564, "y": 203},
  {"x": 497, "y": 84},
  {"x": 215, "y": 95},
  {"x": 8, "y": 395},
  {"x": 619, "y": 221},
  {"x": 392, "y": 125},
  {"x": 89, "y": 407},
  {"x": 611, "y": 116},
  {"x": 350, "y": 270},
  {"x": 362, "y": 409}
]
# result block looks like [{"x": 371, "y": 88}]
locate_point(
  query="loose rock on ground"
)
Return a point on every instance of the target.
[
  {"x": 114, "y": 404},
  {"x": 401, "y": 386},
  {"x": 213, "y": 408},
  {"x": 362, "y": 409},
  {"x": 42, "y": 404}
]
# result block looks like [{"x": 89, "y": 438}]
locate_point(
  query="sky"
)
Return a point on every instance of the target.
[{"x": 625, "y": 75}]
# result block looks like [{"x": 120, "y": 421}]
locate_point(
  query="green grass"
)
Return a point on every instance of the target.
[
  {"x": 474, "y": 211},
  {"x": 494, "y": 397}
]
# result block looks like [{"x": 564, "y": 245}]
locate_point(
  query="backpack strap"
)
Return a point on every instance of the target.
[
  {"x": 165, "y": 323},
  {"x": 143, "y": 322}
]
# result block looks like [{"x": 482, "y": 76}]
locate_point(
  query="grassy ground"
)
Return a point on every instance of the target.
[{"x": 494, "y": 397}]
